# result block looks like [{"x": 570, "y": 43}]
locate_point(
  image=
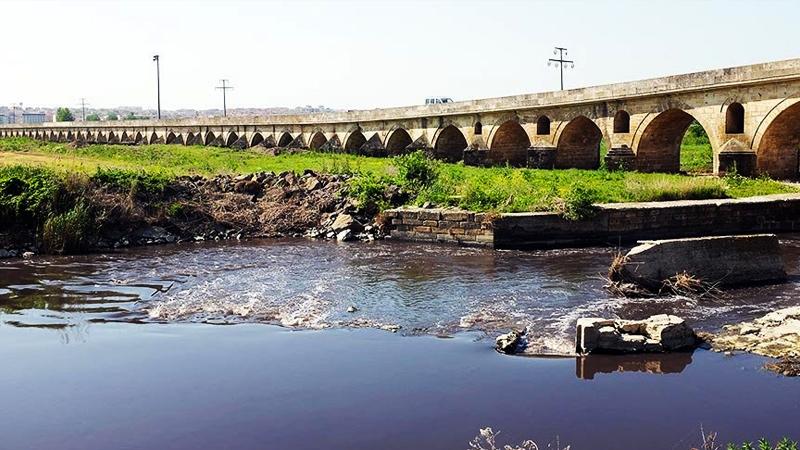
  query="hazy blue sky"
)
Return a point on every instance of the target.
[{"x": 365, "y": 54}]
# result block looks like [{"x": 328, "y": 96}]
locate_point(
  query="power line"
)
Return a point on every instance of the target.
[
  {"x": 561, "y": 52},
  {"x": 224, "y": 88}
]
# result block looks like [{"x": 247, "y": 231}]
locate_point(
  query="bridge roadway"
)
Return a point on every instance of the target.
[{"x": 751, "y": 114}]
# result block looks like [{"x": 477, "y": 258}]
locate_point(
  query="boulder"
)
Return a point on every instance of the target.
[
  {"x": 509, "y": 343},
  {"x": 660, "y": 333},
  {"x": 345, "y": 222},
  {"x": 717, "y": 260},
  {"x": 344, "y": 235}
]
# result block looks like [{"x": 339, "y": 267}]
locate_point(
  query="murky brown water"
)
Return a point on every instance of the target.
[
  {"x": 105, "y": 351},
  {"x": 423, "y": 289}
]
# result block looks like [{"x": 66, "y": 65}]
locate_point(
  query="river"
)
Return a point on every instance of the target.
[{"x": 246, "y": 345}]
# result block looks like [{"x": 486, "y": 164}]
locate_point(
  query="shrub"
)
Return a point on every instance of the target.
[
  {"x": 578, "y": 203},
  {"x": 175, "y": 209},
  {"x": 29, "y": 194},
  {"x": 416, "y": 170},
  {"x": 68, "y": 232},
  {"x": 134, "y": 182},
  {"x": 368, "y": 190}
]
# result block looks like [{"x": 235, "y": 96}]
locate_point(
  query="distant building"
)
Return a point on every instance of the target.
[
  {"x": 33, "y": 117},
  {"x": 3, "y": 119}
]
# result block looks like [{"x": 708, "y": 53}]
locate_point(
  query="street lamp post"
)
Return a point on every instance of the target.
[
  {"x": 561, "y": 52},
  {"x": 158, "y": 84}
]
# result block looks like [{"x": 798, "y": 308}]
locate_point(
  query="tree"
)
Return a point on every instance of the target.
[
  {"x": 93, "y": 118},
  {"x": 64, "y": 115},
  {"x": 112, "y": 116},
  {"x": 132, "y": 116}
]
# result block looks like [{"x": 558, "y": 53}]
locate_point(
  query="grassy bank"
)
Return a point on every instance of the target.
[{"x": 499, "y": 189}]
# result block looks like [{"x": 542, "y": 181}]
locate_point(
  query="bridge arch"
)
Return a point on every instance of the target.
[
  {"x": 449, "y": 144},
  {"x": 100, "y": 139},
  {"x": 285, "y": 139},
  {"x": 578, "y": 145},
  {"x": 397, "y": 141},
  {"x": 232, "y": 138},
  {"x": 778, "y": 148},
  {"x": 318, "y": 139},
  {"x": 658, "y": 148},
  {"x": 173, "y": 138},
  {"x": 509, "y": 143},
  {"x": 210, "y": 138},
  {"x": 256, "y": 139},
  {"x": 354, "y": 142}
]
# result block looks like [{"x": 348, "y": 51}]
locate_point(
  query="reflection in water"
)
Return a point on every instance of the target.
[
  {"x": 422, "y": 289},
  {"x": 586, "y": 367}
]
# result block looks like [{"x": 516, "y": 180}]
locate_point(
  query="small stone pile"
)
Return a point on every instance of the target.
[{"x": 659, "y": 333}]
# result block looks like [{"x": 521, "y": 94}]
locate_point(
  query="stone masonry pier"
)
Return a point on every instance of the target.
[
  {"x": 614, "y": 224},
  {"x": 751, "y": 114}
]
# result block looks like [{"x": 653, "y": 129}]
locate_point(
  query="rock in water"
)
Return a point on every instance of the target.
[
  {"x": 723, "y": 260},
  {"x": 344, "y": 235},
  {"x": 658, "y": 333},
  {"x": 345, "y": 222},
  {"x": 508, "y": 343},
  {"x": 776, "y": 334}
]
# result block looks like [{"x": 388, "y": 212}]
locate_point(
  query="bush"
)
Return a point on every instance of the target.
[
  {"x": 133, "y": 182},
  {"x": 416, "y": 170},
  {"x": 29, "y": 194},
  {"x": 69, "y": 232},
  {"x": 578, "y": 203},
  {"x": 368, "y": 190}
]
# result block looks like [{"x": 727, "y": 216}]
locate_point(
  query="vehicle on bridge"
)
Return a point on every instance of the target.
[{"x": 438, "y": 100}]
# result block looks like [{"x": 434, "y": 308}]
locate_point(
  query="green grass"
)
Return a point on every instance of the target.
[
  {"x": 178, "y": 159},
  {"x": 697, "y": 158},
  {"x": 696, "y": 153},
  {"x": 499, "y": 189}
]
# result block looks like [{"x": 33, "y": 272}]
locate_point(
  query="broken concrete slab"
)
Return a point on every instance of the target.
[{"x": 719, "y": 260}]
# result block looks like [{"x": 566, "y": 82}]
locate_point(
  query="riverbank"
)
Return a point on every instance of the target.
[{"x": 64, "y": 198}]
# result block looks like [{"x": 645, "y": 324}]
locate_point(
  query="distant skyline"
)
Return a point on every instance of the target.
[{"x": 366, "y": 54}]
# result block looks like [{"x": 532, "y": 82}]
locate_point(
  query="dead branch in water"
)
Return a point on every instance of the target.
[{"x": 683, "y": 284}]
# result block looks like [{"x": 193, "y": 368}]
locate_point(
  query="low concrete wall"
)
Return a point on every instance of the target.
[{"x": 614, "y": 224}]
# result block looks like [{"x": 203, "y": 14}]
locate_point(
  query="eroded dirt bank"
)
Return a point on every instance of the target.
[{"x": 193, "y": 208}]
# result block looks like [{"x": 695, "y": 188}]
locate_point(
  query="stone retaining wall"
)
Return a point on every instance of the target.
[
  {"x": 440, "y": 225},
  {"x": 614, "y": 224}
]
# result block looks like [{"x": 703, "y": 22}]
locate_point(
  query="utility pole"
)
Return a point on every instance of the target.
[
  {"x": 224, "y": 88},
  {"x": 83, "y": 109},
  {"x": 561, "y": 52},
  {"x": 158, "y": 84},
  {"x": 14, "y": 107}
]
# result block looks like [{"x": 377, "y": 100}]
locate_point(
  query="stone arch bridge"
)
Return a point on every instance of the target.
[{"x": 750, "y": 113}]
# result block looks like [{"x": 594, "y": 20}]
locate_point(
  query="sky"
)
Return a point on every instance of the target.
[{"x": 365, "y": 54}]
